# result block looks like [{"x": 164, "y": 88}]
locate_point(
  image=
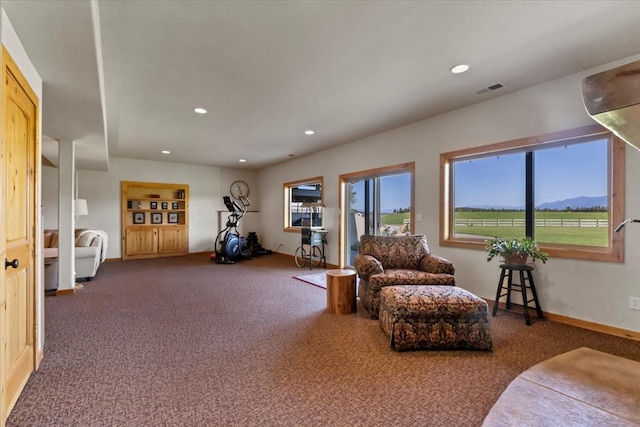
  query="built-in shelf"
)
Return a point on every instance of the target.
[{"x": 155, "y": 219}]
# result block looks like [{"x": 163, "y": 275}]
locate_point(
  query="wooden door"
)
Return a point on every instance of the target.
[
  {"x": 172, "y": 240},
  {"x": 141, "y": 241},
  {"x": 19, "y": 171}
]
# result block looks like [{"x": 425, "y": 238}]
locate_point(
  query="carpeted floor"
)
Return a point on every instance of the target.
[
  {"x": 187, "y": 342},
  {"x": 316, "y": 279}
]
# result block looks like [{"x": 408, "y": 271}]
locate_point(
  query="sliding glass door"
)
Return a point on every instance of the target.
[{"x": 375, "y": 202}]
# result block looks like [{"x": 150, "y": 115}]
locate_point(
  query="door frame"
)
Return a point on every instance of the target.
[{"x": 343, "y": 197}]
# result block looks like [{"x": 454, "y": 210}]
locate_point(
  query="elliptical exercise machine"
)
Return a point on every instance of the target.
[{"x": 231, "y": 245}]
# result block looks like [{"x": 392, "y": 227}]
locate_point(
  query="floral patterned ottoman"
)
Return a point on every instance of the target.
[{"x": 417, "y": 317}]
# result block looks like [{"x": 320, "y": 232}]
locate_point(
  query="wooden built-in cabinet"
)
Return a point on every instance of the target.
[{"x": 155, "y": 219}]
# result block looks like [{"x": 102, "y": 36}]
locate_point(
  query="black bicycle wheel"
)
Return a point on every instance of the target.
[
  {"x": 317, "y": 256},
  {"x": 301, "y": 257}
]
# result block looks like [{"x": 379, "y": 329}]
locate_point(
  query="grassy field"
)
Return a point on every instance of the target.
[
  {"x": 588, "y": 236},
  {"x": 394, "y": 218},
  {"x": 540, "y": 215}
]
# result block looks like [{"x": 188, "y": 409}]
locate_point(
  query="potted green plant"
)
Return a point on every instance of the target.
[{"x": 514, "y": 251}]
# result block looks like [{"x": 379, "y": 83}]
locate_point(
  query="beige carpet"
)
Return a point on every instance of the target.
[
  {"x": 582, "y": 387},
  {"x": 183, "y": 341}
]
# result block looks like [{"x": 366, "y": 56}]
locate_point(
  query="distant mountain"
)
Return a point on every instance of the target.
[
  {"x": 497, "y": 207},
  {"x": 575, "y": 203}
]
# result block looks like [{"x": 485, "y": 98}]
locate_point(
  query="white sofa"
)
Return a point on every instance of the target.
[{"x": 90, "y": 250}]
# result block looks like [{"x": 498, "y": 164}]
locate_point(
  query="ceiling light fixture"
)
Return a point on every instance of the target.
[
  {"x": 309, "y": 132},
  {"x": 166, "y": 152},
  {"x": 242, "y": 160},
  {"x": 200, "y": 110},
  {"x": 460, "y": 68}
]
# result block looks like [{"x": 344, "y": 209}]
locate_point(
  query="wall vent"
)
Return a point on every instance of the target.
[{"x": 489, "y": 88}]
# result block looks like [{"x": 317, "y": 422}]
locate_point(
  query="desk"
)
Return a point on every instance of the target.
[{"x": 526, "y": 282}]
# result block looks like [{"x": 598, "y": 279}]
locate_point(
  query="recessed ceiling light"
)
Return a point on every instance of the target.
[
  {"x": 460, "y": 68},
  {"x": 242, "y": 160},
  {"x": 200, "y": 110},
  {"x": 166, "y": 152},
  {"x": 309, "y": 132}
]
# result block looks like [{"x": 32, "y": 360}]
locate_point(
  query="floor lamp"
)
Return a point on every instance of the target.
[{"x": 79, "y": 205}]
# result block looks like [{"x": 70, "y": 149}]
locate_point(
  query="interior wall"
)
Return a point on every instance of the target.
[
  {"x": 207, "y": 186},
  {"x": 593, "y": 291}
]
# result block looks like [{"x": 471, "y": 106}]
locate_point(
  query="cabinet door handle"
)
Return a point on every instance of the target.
[{"x": 13, "y": 263}]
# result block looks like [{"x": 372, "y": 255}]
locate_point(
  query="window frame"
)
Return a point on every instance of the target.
[
  {"x": 287, "y": 187},
  {"x": 614, "y": 252}
]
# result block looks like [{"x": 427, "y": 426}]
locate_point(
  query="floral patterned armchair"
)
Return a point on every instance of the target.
[{"x": 397, "y": 260}]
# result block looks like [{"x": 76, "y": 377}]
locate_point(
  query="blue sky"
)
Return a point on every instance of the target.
[
  {"x": 561, "y": 173},
  {"x": 394, "y": 193}
]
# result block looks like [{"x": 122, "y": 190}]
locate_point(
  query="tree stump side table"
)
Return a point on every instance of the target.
[{"x": 341, "y": 291}]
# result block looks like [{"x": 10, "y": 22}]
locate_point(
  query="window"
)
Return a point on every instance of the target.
[
  {"x": 303, "y": 204},
  {"x": 565, "y": 189}
]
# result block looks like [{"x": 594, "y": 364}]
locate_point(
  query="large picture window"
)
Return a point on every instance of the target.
[
  {"x": 565, "y": 190},
  {"x": 303, "y": 204}
]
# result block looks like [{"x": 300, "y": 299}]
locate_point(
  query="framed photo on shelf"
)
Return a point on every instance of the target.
[
  {"x": 172, "y": 218},
  {"x": 175, "y": 205},
  {"x": 154, "y": 205},
  {"x": 138, "y": 217},
  {"x": 156, "y": 218},
  {"x": 165, "y": 205}
]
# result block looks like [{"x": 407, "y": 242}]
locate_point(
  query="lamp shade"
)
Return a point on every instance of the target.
[{"x": 80, "y": 207}]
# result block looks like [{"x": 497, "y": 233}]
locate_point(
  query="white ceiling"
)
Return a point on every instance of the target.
[{"x": 268, "y": 70}]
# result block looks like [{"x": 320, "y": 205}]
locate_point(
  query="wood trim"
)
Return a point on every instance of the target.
[
  {"x": 47, "y": 162},
  {"x": 606, "y": 329},
  {"x": 584, "y": 324},
  {"x": 65, "y": 292},
  {"x": 547, "y": 138},
  {"x": 319, "y": 179},
  {"x": 376, "y": 172}
]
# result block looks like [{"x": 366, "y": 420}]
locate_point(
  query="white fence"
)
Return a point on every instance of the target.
[{"x": 517, "y": 222}]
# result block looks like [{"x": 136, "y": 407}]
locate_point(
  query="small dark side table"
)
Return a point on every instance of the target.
[{"x": 526, "y": 282}]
